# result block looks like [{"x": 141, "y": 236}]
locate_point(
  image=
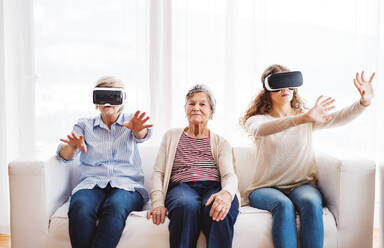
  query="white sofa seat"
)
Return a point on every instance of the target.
[{"x": 40, "y": 191}]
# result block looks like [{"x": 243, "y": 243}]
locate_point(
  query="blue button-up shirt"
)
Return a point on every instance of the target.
[{"x": 112, "y": 155}]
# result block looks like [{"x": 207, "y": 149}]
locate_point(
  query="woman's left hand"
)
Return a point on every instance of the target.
[
  {"x": 365, "y": 88},
  {"x": 137, "y": 124},
  {"x": 221, "y": 204}
]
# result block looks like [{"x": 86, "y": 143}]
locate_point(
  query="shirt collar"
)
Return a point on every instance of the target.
[{"x": 99, "y": 122}]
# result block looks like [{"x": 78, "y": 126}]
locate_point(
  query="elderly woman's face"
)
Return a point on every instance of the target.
[
  {"x": 112, "y": 109},
  {"x": 198, "y": 108}
]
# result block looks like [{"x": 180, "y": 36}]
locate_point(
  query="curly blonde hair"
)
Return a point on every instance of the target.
[{"x": 262, "y": 104}]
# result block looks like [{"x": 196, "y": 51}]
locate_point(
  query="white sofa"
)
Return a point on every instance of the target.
[{"x": 39, "y": 192}]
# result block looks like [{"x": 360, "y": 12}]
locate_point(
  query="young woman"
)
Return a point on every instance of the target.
[{"x": 285, "y": 180}]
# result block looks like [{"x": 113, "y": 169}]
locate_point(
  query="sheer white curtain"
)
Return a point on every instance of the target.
[
  {"x": 76, "y": 43},
  {"x": 17, "y": 95},
  {"x": 227, "y": 45}
]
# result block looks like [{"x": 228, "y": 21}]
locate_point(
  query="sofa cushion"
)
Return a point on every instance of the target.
[{"x": 253, "y": 228}]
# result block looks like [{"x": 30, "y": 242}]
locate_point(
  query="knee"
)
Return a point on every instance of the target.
[
  {"x": 311, "y": 206},
  {"x": 82, "y": 209},
  {"x": 284, "y": 207},
  {"x": 188, "y": 205},
  {"x": 116, "y": 209}
]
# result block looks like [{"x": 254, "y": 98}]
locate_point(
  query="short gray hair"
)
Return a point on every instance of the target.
[
  {"x": 205, "y": 89},
  {"x": 102, "y": 81}
]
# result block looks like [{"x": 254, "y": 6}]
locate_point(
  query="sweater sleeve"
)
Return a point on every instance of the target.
[
  {"x": 260, "y": 125},
  {"x": 157, "y": 194},
  {"x": 229, "y": 181},
  {"x": 342, "y": 116}
]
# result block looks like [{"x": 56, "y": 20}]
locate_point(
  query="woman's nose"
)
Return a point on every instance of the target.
[{"x": 196, "y": 107}]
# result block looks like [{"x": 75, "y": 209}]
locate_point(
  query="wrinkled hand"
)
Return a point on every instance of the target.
[
  {"x": 158, "y": 215},
  {"x": 221, "y": 204},
  {"x": 318, "y": 113},
  {"x": 137, "y": 123},
  {"x": 365, "y": 88},
  {"x": 76, "y": 142}
]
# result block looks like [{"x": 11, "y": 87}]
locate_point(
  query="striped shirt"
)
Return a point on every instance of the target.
[
  {"x": 194, "y": 161},
  {"x": 112, "y": 155}
]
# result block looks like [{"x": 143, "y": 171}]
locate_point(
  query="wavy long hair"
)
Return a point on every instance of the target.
[{"x": 262, "y": 103}]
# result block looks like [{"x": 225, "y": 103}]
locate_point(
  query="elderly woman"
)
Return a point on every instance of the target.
[
  {"x": 112, "y": 181},
  {"x": 285, "y": 173},
  {"x": 193, "y": 181}
]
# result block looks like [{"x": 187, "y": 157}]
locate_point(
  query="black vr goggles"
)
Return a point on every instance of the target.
[
  {"x": 108, "y": 96},
  {"x": 279, "y": 81}
]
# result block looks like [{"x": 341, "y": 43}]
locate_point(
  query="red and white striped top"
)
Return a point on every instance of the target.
[{"x": 194, "y": 161}]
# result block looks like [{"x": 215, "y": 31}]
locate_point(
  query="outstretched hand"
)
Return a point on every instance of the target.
[
  {"x": 76, "y": 142},
  {"x": 365, "y": 88},
  {"x": 137, "y": 123},
  {"x": 318, "y": 113}
]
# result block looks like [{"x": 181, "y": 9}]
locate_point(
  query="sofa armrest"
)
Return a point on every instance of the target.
[
  {"x": 380, "y": 211},
  {"x": 37, "y": 189},
  {"x": 348, "y": 187}
]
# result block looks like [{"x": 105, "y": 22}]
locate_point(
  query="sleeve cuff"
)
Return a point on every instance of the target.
[
  {"x": 149, "y": 134},
  {"x": 61, "y": 159}
]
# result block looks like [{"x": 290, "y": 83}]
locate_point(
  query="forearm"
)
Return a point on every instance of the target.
[
  {"x": 264, "y": 128},
  {"x": 67, "y": 152},
  {"x": 141, "y": 134},
  {"x": 343, "y": 116}
]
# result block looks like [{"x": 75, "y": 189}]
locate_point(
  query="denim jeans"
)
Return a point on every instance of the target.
[
  {"x": 307, "y": 201},
  {"x": 188, "y": 215},
  {"x": 109, "y": 206}
]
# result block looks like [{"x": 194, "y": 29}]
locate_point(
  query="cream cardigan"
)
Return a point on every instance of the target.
[
  {"x": 221, "y": 152},
  {"x": 284, "y": 156}
]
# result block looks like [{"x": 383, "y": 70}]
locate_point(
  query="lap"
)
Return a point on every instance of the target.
[
  {"x": 306, "y": 194},
  {"x": 268, "y": 198},
  {"x": 87, "y": 198},
  {"x": 187, "y": 193},
  {"x": 93, "y": 199},
  {"x": 123, "y": 198},
  {"x": 181, "y": 194}
]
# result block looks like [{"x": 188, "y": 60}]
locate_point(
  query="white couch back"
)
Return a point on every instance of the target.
[{"x": 243, "y": 157}]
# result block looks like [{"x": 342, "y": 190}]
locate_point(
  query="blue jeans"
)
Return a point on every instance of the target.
[
  {"x": 307, "y": 201},
  {"x": 110, "y": 206},
  {"x": 188, "y": 215}
]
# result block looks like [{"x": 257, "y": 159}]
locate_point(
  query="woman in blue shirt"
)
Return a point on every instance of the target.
[{"x": 111, "y": 178}]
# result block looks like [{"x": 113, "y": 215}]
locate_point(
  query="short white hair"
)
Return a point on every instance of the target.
[
  {"x": 109, "y": 80},
  {"x": 205, "y": 89}
]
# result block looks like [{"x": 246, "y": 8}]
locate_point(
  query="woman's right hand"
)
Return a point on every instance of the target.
[
  {"x": 76, "y": 142},
  {"x": 158, "y": 214},
  {"x": 318, "y": 113}
]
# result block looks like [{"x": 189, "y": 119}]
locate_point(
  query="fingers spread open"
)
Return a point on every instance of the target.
[
  {"x": 358, "y": 78},
  {"x": 145, "y": 119},
  {"x": 141, "y": 116},
  {"x": 371, "y": 78},
  {"x": 136, "y": 114},
  {"x": 65, "y": 141},
  {"x": 318, "y": 99},
  {"x": 362, "y": 77}
]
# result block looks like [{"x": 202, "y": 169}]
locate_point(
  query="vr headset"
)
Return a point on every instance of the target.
[
  {"x": 279, "y": 81},
  {"x": 108, "y": 96}
]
